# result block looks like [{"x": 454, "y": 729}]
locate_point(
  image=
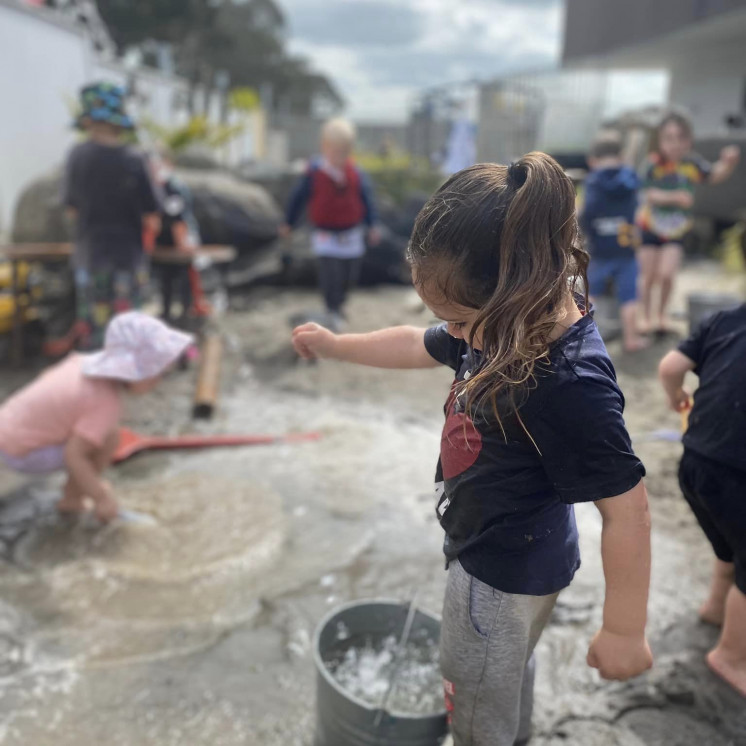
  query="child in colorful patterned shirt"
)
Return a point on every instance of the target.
[{"x": 665, "y": 217}]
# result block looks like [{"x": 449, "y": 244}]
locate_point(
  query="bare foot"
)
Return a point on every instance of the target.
[
  {"x": 732, "y": 672},
  {"x": 645, "y": 328},
  {"x": 712, "y": 613},
  {"x": 68, "y": 505},
  {"x": 665, "y": 328},
  {"x": 106, "y": 510},
  {"x": 636, "y": 344}
]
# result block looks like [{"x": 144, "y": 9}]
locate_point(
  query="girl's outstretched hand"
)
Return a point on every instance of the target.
[
  {"x": 314, "y": 341},
  {"x": 619, "y": 657}
]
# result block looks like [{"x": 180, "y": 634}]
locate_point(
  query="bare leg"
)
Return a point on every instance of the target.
[
  {"x": 712, "y": 611},
  {"x": 648, "y": 258},
  {"x": 106, "y": 509},
  {"x": 668, "y": 266},
  {"x": 632, "y": 340},
  {"x": 105, "y": 455},
  {"x": 728, "y": 659},
  {"x": 72, "y": 500}
]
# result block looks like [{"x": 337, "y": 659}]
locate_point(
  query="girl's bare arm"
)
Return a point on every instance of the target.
[
  {"x": 181, "y": 237},
  {"x": 395, "y": 347},
  {"x": 620, "y": 650},
  {"x": 80, "y": 461},
  {"x": 669, "y": 197}
]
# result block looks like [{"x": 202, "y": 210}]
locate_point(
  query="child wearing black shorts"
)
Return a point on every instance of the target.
[{"x": 712, "y": 473}]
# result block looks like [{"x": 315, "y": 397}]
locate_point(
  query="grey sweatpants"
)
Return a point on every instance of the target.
[{"x": 487, "y": 641}]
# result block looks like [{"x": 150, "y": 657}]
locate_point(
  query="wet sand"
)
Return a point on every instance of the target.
[{"x": 198, "y": 629}]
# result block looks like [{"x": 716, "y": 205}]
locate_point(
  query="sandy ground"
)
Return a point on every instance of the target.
[{"x": 198, "y": 629}]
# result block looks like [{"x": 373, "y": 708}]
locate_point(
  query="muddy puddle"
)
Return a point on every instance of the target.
[
  {"x": 230, "y": 532},
  {"x": 197, "y": 628}
]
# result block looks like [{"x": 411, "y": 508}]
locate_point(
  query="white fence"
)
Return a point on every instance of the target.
[{"x": 557, "y": 111}]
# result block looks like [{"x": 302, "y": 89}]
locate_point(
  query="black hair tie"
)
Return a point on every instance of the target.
[{"x": 517, "y": 175}]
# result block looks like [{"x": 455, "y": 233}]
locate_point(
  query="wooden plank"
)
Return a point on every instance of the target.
[
  {"x": 37, "y": 252},
  {"x": 208, "y": 380},
  {"x": 216, "y": 255},
  {"x": 33, "y": 252}
]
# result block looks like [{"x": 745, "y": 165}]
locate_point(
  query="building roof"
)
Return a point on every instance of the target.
[{"x": 647, "y": 33}]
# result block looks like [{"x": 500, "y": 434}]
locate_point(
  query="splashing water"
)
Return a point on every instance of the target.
[{"x": 364, "y": 669}]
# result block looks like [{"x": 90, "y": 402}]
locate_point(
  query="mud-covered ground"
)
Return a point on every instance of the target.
[{"x": 198, "y": 629}]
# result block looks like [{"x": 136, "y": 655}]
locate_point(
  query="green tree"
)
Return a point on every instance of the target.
[{"x": 244, "y": 39}]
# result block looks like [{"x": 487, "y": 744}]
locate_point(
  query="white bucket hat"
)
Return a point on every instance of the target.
[{"x": 136, "y": 347}]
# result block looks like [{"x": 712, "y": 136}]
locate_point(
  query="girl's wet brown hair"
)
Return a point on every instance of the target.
[{"x": 503, "y": 240}]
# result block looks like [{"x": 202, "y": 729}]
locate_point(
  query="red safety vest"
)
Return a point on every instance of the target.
[{"x": 333, "y": 206}]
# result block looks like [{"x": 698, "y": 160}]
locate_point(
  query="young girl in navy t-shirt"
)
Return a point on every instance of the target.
[{"x": 533, "y": 424}]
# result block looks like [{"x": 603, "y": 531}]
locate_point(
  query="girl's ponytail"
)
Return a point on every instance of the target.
[
  {"x": 517, "y": 175},
  {"x": 504, "y": 240}
]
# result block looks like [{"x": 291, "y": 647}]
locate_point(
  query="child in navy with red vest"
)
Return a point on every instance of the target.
[{"x": 340, "y": 209}]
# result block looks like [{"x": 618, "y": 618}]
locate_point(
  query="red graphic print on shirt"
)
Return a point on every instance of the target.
[{"x": 461, "y": 443}]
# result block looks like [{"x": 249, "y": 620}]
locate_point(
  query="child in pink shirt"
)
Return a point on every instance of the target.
[{"x": 68, "y": 418}]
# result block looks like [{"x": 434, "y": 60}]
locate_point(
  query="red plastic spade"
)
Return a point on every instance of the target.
[{"x": 131, "y": 442}]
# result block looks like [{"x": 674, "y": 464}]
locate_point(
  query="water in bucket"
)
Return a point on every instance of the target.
[
  {"x": 379, "y": 680},
  {"x": 364, "y": 666}
]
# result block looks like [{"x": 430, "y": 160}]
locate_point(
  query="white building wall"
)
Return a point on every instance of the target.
[
  {"x": 45, "y": 61},
  {"x": 43, "y": 66}
]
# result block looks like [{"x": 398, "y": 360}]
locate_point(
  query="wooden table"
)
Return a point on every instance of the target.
[{"x": 62, "y": 252}]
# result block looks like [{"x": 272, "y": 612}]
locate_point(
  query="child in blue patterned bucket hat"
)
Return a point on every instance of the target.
[
  {"x": 104, "y": 103},
  {"x": 109, "y": 191}
]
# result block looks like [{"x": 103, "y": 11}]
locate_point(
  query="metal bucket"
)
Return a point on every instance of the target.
[
  {"x": 703, "y": 305},
  {"x": 343, "y": 720}
]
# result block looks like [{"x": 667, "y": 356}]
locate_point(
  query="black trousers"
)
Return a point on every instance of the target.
[
  {"x": 336, "y": 278},
  {"x": 174, "y": 285}
]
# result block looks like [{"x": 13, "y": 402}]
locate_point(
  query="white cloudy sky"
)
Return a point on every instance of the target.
[{"x": 380, "y": 52}]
